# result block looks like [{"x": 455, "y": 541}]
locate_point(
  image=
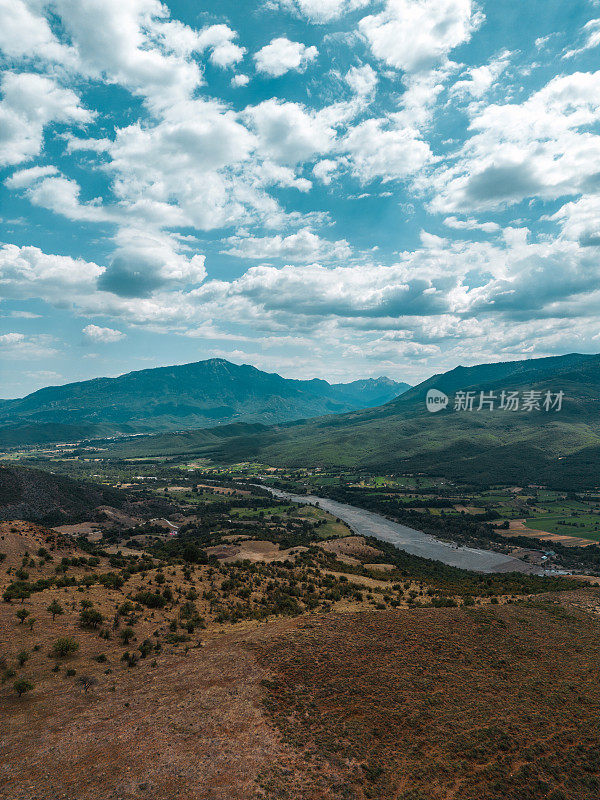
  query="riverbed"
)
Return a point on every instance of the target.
[{"x": 417, "y": 543}]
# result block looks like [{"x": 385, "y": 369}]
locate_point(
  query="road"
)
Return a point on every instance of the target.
[{"x": 366, "y": 523}]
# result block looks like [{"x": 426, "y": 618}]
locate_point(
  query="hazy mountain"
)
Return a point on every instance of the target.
[
  {"x": 479, "y": 446},
  {"x": 201, "y": 394}
]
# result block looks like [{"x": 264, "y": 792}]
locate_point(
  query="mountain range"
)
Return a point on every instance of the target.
[
  {"x": 198, "y": 395},
  {"x": 559, "y": 447}
]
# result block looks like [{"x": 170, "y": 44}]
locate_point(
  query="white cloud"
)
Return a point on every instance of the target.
[
  {"x": 415, "y": 35},
  {"x": 380, "y": 149},
  {"x": 24, "y": 34},
  {"x": 302, "y": 246},
  {"x": 283, "y": 55},
  {"x": 18, "y": 346},
  {"x": 29, "y": 272},
  {"x": 183, "y": 170},
  {"x": 591, "y": 32},
  {"x": 580, "y": 220},
  {"x": 322, "y": 11},
  {"x": 103, "y": 335},
  {"x": 124, "y": 42},
  {"x": 362, "y": 80},
  {"x": 471, "y": 225},
  {"x": 59, "y": 194},
  {"x": 324, "y": 170},
  {"x": 240, "y": 80},
  {"x": 536, "y": 148},
  {"x": 477, "y": 81},
  {"x": 146, "y": 261},
  {"x": 289, "y": 132},
  {"x": 219, "y": 39},
  {"x": 30, "y": 102}
]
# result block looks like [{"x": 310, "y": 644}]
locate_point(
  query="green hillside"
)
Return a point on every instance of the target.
[
  {"x": 482, "y": 447},
  {"x": 202, "y": 394}
]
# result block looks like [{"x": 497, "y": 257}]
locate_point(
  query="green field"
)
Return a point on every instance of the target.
[{"x": 585, "y": 526}]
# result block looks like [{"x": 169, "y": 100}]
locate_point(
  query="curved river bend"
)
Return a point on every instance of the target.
[{"x": 366, "y": 523}]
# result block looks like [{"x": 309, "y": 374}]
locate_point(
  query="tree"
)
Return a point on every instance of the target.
[
  {"x": 55, "y": 608},
  {"x": 64, "y": 646},
  {"x": 31, "y": 623},
  {"x": 22, "y": 686},
  {"x": 22, "y": 615},
  {"x": 87, "y": 681},
  {"x": 127, "y": 635},
  {"x": 23, "y": 657},
  {"x": 19, "y": 590},
  {"x": 90, "y": 618}
]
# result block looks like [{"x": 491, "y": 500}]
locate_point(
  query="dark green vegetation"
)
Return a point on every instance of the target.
[
  {"x": 442, "y": 704},
  {"x": 203, "y": 394},
  {"x": 40, "y": 496},
  {"x": 559, "y": 449}
]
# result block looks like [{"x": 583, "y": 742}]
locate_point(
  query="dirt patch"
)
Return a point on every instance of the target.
[
  {"x": 88, "y": 529},
  {"x": 355, "y": 546},
  {"x": 226, "y": 490},
  {"x": 380, "y": 567},
  {"x": 252, "y": 550}
]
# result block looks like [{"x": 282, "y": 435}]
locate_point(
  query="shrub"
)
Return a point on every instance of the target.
[
  {"x": 150, "y": 599},
  {"x": 23, "y": 657},
  {"x": 127, "y": 635},
  {"x": 22, "y": 686},
  {"x": 87, "y": 681},
  {"x": 65, "y": 646},
  {"x": 90, "y": 618}
]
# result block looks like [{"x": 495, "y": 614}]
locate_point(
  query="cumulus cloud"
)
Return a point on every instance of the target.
[
  {"x": 362, "y": 80},
  {"x": 240, "y": 80},
  {"x": 322, "y": 11},
  {"x": 302, "y": 246},
  {"x": 380, "y": 149},
  {"x": 471, "y": 224},
  {"x": 43, "y": 187},
  {"x": 283, "y": 55},
  {"x": 220, "y": 40},
  {"x": 537, "y": 147},
  {"x": 29, "y": 272},
  {"x": 25, "y": 34},
  {"x": 102, "y": 335},
  {"x": 30, "y": 102},
  {"x": 289, "y": 132},
  {"x": 19, "y": 346},
  {"x": 144, "y": 262},
  {"x": 476, "y": 81},
  {"x": 179, "y": 171},
  {"x": 124, "y": 42},
  {"x": 415, "y": 35}
]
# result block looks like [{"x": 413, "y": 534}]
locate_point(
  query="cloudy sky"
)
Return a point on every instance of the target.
[{"x": 331, "y": 188}]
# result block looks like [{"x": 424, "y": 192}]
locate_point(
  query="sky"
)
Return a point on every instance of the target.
[{"x": 320, "y": 188}]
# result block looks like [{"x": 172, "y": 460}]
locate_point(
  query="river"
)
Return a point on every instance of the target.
[{"x": 366, "y": 523}]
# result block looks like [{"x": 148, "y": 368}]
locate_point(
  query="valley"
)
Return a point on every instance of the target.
[{"x": 249, "y": 615}]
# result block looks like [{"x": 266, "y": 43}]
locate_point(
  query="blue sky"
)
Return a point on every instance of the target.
[{"x": 322, "y": 188}]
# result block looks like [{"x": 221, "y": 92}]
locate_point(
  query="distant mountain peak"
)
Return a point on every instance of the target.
[{"x": 199, "y": 394}]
